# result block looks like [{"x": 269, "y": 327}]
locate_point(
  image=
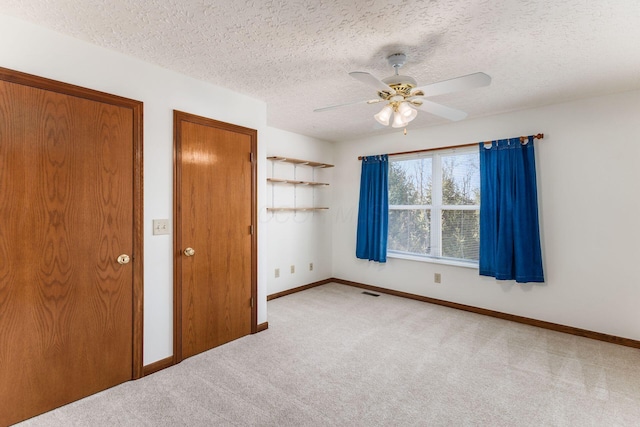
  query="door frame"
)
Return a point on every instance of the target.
[
  {"x": 178, "y": 118},
  {"x": 137, "y": 257}
]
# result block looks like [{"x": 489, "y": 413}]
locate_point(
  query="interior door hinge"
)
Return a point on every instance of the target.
[
  {"x": 251, "y": 157},
  {"x": 251, "y": 229},
  {"x": 251, "y": 302}
]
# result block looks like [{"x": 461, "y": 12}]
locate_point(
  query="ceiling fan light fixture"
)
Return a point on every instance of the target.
[
  {"x": 407, "y": 111},
  {"x": 398, "y": 120},
  {"x": 412, "y": 116},
  {"x": 384, "y": 115}
]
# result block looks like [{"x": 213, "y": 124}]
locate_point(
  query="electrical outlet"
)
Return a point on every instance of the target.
[
  {"x": 293, "y": 269},
  {"x": 310, "y": 266},
  {"x": 437, "y": 278},
  {"x": 277, "y": 273}
]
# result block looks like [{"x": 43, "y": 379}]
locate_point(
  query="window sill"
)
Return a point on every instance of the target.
[{"x": 419, "y": 258}]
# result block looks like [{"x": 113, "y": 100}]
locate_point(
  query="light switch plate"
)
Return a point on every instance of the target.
[{"x": 160, "y": 226}]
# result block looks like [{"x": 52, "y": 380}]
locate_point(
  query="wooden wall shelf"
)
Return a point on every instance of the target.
[
  {"x": 300, "y": 162},
  {"x": 296, "y": 209},
  {"x": 296, "y": 182}
]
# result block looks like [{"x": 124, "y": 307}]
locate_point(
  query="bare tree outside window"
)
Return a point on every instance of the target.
[{"x": 434, "y": 205}]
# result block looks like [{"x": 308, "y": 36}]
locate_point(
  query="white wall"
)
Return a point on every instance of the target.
[
  {"x": 297, "y": 238},
  {"x": 588, "y": 178},
  {"x": 35, "y": 50}
]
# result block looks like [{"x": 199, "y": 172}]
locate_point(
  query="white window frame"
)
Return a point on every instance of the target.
[{"x": 436, "y": 208}]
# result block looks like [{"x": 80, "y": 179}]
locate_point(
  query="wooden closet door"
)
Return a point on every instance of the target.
[
  {"x": 215, "y": 216},
  {"x": 66, "y": 214}
]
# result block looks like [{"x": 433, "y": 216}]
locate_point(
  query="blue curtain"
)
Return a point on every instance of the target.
[
  {"x": 373, "y": 210},
  {"x": 509, "y": 230}
]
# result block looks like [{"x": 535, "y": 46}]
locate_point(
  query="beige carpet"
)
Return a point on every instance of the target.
[{"x": 335, "y": 357}]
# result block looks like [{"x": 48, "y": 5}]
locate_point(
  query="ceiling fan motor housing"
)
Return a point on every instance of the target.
[{"x": 401, "y": 84}]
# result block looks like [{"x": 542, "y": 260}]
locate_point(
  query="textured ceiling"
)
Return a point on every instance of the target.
[{"x": 296, "y": 54}]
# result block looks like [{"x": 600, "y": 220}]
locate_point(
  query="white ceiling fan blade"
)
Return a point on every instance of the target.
[
  {"x": 371, "y": 80},
  {"x": 441, "y": 110},
  {"x": 457, "y": 84},
  {"x": 331, "y": 107}
]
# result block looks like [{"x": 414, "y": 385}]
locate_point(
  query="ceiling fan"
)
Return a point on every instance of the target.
[{"x": 402, "y": 96}]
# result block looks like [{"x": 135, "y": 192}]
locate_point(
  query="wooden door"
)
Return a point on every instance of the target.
[
  {"x": 68, "y": 315},
  {"x": 215, "y": 216}
]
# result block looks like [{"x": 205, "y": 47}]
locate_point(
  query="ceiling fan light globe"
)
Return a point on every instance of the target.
[
  {"x": 412, "y": 115},
  {"x": 405, "y": 109},
  {"x": 384, "y": 115},
  {"x": 398, "y": 121}
]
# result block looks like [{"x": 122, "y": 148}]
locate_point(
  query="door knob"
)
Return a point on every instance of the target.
[
  {"x": 189, "y": 252},
  {"x": 124, "y": 259}
]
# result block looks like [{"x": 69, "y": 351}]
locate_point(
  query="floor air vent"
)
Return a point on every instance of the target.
[{"x": 371, "y": 294}]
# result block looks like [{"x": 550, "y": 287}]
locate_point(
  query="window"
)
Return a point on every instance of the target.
[{"x": 434, "y": 206}]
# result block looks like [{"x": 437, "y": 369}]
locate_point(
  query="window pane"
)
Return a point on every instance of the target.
[
  {"x": 410, "y": 182},
  {"x": 409, "y": 231},
  {"x": 460, "y": 234},
  {"x": 461, "y": 179}
]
